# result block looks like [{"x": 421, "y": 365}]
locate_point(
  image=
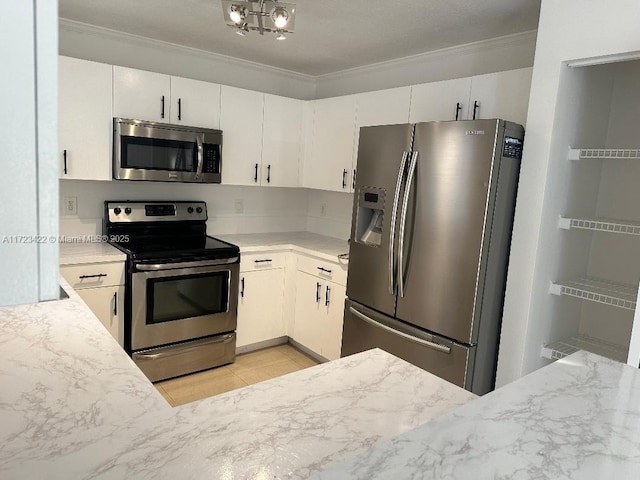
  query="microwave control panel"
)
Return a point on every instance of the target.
[{"x": 211, "y": 154}]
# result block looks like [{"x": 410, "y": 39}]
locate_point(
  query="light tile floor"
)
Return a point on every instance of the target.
[{"x": 247, "y": 369}]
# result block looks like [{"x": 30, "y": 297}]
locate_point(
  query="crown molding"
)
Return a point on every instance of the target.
[
  {"x": 492, "y": 44},
  {"x": 129, "y": 38}
]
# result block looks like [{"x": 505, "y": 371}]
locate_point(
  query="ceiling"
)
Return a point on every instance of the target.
[{"x": 330, "y": 35}]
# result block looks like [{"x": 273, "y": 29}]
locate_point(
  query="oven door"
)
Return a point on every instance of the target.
[{"x": 183, "y": 301}]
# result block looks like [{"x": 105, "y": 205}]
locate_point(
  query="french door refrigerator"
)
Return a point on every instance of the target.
[{"x": 432, "y": 218}]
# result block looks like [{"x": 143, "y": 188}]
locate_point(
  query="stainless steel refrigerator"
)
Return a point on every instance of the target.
[{"x": 430, "y": 235}]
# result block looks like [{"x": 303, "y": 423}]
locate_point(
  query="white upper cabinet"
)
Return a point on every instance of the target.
[
  {"x": 141, "y": 95},
  {"x": 330, "y": 164},
  {"x": 383, "y": 107},
  {"x": 282, "y": 141},
  {"x": 241, "y": 114},
  {"x": 440, "y": 101},
  {"x": 502, "y": 95},
  {"x": 195, "y": 103},
  {"x": 84, "y": 119}
]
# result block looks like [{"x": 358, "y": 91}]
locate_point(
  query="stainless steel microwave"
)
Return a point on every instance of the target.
[{"x": 162, "y": 152}]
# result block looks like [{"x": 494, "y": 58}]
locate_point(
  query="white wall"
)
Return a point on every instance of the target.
[
  {"x": 568, "y": 30},
  {"x": 263, "y": 209},
  {"x": 28, "y": 135},
  {"x": 329, "y": 213}
]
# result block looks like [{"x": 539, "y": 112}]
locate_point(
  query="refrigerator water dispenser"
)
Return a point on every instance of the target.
[{"x": 370, "y": 216}]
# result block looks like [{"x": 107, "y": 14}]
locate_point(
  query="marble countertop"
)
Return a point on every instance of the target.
[
  {"x": 89, "y": 252},
  {"x": 73, "y": 405},
  {"x": 304, "y": 242},
  {"x": 578, "y": 418}
]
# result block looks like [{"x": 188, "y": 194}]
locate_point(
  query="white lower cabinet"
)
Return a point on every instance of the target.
[
  {"x": 107, "y": 303},
  {"x": 260, "y": 306},
  {"x": 318, "y": 315},
  {"x": 101, "y": 287}
]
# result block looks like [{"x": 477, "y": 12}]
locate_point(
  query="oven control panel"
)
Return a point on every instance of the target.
[{"x": 156, "y": 211}]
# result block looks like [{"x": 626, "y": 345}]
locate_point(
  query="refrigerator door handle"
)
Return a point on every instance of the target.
[
  {"x": 403, "y": 221},
  {"x": 426, "y": 343},
  {"x": 392, "y": 230}
]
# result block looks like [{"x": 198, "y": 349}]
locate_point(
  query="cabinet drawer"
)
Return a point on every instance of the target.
[
  {"x": 323, "y": 269},
  {"x": 262, "y": 261},
  {"x": 91, "y": 275}
]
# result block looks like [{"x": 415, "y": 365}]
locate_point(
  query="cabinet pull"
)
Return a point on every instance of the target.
[
  {"x": 354, "y": 179},
  {"x": 242, "y": 287},
  {"x": 255, "y": 175},
  {"x": 97, "y": 275},
  {"x": 327, "y": 298},
  {"x": 266, "y": 260},
  {"x": 162, "y": 113},
  {"x": 318, "y": 288},
  {"x": 476, "y": 106},
  {"x": 179, "y": 109},
  {"x": 268, "y": 173},
  {"x": 64, "y": 156},
  {"x": 458, "y": 108},
  {"x": 344, "y": 178},
  {"x": 115, "y": 303},
  {"x": 325, "y": 270}
]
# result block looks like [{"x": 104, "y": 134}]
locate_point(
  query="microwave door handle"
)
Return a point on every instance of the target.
[{"x": 200, "y": 157}]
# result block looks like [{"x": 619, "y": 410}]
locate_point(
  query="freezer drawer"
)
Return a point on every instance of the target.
[{"x": 365, "y": 329}]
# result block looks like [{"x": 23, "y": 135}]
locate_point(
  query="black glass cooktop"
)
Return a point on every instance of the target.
[{"x": 177, "y": 248}]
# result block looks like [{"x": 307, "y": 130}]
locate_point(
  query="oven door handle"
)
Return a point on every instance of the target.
[{"x": 172, "y": 266}]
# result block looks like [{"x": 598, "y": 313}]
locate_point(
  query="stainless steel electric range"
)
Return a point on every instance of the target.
[{"x": 181, "y": 286}]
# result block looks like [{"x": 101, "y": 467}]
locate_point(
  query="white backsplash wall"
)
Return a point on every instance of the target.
[
  {"x": 232, "y": 209},
  {"x": 329, "y": 213}
]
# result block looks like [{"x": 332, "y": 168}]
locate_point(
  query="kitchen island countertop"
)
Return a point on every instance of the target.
[
  {"x": 73, "y": 405},
  {"x": 578, "y": 418}
]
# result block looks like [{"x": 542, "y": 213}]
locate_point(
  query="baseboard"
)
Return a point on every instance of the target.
[
  {"x": 272, "y": 342},
  {"x": 306, "y": 351}
]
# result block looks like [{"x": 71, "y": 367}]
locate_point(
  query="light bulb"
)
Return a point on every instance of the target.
[
  {"x": 236, "y": 14},
  {"x": 281, "y": 36},
  {"x": 280, "y": 17}
]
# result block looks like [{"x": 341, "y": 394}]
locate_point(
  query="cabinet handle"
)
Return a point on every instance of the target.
[
  {"x": 476, "y": 106},
  {"x": 344, "y": 178},
  {"x": 64, "y": 156},
  {"x": 255, "y": 175},
  {"x": 268, "y": 173},
  {"x": 325, "y": 270},
  {"x": 242, "y": 287},
  {"x": 327, "y": 298},
  {"x": 354, "y": 179},
  {"x": 318, "y": 288},
  {"x": 115, "y": 304},
  {"x": 458, "y": 108},
  {"x": 162, "y": 113},
  {"x": 179, "y": 109},
  {"x": 262, "y": 261},
  {"x": 97, "y": 275}
]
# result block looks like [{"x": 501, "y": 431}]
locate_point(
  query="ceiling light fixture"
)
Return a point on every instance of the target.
[{"x": 261, "y": 16}]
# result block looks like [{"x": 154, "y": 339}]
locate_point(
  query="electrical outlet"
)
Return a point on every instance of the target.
[
  {"x": 323, "y": 209},
  {"x": 70, "y": 206},
  {"x": 239, "y": 205}
]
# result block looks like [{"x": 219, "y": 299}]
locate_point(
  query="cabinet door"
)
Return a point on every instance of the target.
[
  {"x": 241, "y": 125},
  {"x": 195, "y": 103},
  {"x": 84, "y": 119},
  {"x": 383, "y": 107},
  {"x": 260, "y": 306},
  {"x": 309, "y": 309},
  {"x": 282, "y": 141},
  {"x": 141, "y": 95},
  {"x": 502, "y": 95},
  {"x": 330, "y": 164},
  {"x": 107, "y": 303},
  {"x": 331, "y": 320},
  {"x": 438, "y": 101}
]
